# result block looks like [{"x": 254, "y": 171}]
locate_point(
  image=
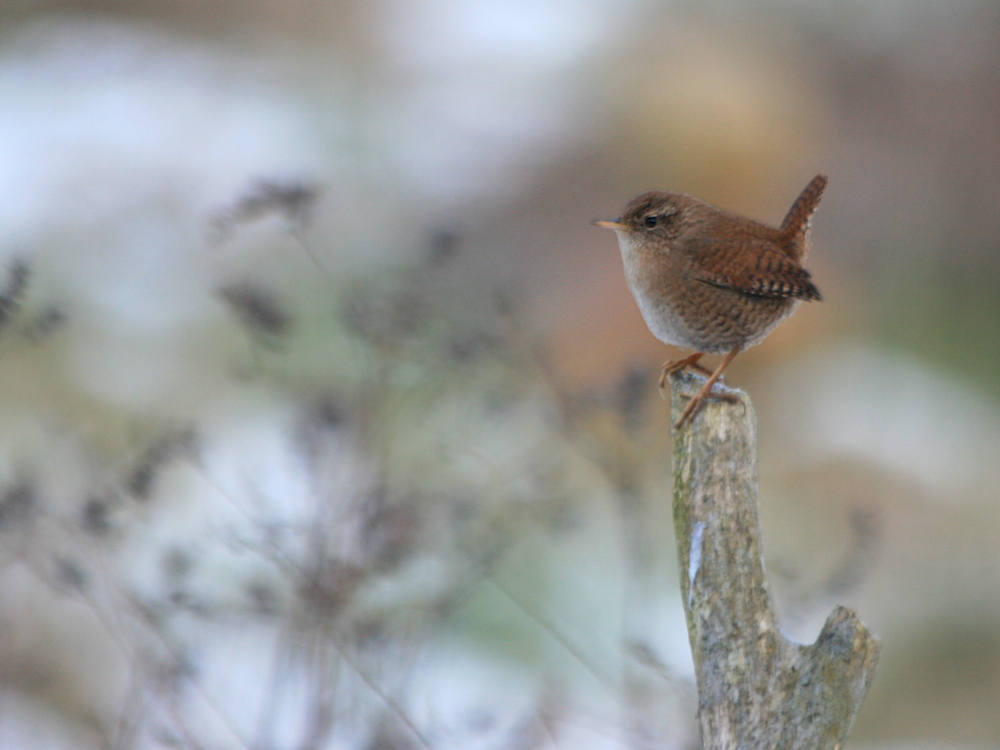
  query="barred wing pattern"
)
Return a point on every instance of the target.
[{"x": 753, "y": 267}]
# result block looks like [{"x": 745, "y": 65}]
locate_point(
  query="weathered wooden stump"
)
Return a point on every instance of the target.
[{"x": 756, "y": 689}]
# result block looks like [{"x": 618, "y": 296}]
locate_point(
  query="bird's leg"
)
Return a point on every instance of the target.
[
  {"x": 677, "y": 365},
  {"x": 695, "y": 403}
]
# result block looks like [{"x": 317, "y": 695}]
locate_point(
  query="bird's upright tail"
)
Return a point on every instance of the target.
[{"x": 795, "y": 227}]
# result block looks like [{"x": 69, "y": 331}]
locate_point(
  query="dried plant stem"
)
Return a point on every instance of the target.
[{"x": 756, "y": 689}]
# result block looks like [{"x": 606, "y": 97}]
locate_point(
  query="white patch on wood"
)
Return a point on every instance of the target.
[{"x": 694, "y": 560}]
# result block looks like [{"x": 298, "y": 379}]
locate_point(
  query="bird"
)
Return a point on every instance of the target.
[{"x": 712, "y": 281}]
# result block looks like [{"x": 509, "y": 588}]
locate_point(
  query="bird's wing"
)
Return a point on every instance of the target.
[{"x": 752, "y": 267}]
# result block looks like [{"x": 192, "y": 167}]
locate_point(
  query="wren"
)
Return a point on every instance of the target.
[{"x": 712, "y": 281}]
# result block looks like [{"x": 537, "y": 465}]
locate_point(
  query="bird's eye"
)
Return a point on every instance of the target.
[{"x": 650, "y": 221}]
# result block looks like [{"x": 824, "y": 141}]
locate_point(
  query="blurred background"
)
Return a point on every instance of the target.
[{"x": 327, "y": 420}]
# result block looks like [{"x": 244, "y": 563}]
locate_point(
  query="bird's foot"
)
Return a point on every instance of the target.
[
  {"x": 696, "y": 401},
  {"x": 706, "y": 390},
  {"x": 676, "y": 365}
]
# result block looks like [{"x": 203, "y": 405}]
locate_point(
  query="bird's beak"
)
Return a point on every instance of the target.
[{"x": 608, "y": 224}]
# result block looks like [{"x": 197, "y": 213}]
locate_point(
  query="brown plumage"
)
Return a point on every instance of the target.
[{"x": 709, "y": 280}]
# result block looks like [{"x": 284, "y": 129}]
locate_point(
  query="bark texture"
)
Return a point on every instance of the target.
[{"x": 756, "y": 689}]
